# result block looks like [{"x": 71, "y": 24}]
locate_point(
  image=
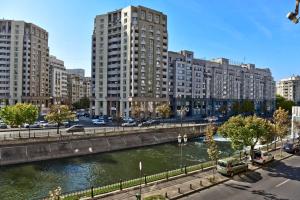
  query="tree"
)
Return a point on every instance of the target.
[
  {"x": 282, "y": 123},
  {"x": 164, "y": 110},
  {"x": 285, "y": 104},
  {"x": 236, "y": 108},
  {"x": 13, "y": 115},
  {"x": 213, "y": 151},
  {"x": 83, "y": 103},
  {"x": 136, "y": 110},
  {"x": 247, "y": 107},
  {"x": 223, "y": 109},
  {"x": 30, "y": 114},
  {"x": 59, "y": 114},
  {"x": 245, "y": 131}
]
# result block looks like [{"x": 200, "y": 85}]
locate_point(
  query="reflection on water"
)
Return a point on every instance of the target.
[{"x": 34, "y": 180}]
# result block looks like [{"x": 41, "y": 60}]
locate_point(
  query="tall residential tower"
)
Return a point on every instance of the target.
[
  {"x": 129, "y": 61},
  {"x": 24, "y": 63}
]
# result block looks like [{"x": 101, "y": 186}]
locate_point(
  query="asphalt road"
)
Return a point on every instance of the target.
[{"x": 277, "y": 181}]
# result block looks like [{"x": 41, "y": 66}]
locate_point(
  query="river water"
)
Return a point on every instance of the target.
[{"x": 35, "y": 180}]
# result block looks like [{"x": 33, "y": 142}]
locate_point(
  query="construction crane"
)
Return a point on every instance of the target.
[{"x": 293, "y": 15}]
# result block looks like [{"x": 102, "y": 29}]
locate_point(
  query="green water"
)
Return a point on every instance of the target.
[{"x": 34, "y": 180}]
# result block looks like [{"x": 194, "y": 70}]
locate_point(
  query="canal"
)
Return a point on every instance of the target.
[{"x": 35, "y": 180}]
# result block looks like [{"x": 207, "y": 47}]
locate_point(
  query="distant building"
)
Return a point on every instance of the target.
[
  {"x": 58, "y": 81},
  {"x": 79, "y": 72},
  {"x": 206, "y": 87},
  {"x": 78, "y": 86},
  {"x": 289, "y": 88},
  {"x": 129, "y": 61},
  {"x": 24, "y": 63}
]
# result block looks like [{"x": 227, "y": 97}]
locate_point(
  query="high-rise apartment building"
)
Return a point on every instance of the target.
[
  {"x": 289, "y": 88},
  {"x": 205, "y": 87},
  {"x": 129, "y": 61},
  {"x": 24, "y": 63},
  {"x": 58, "y": 81}
]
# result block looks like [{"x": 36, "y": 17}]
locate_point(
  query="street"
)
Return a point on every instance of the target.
[{"x": 278, "y": 181}]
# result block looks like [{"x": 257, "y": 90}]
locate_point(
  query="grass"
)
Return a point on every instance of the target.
[{"x": 155, "y": 197}]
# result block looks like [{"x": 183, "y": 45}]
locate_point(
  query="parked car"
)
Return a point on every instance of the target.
[
  {"x": 99, "y": 122},
  {"x": 231, "y": 166},
  {"x": 75, "y": 128},
  {"x": 3, "y": 125},
  {"x": 262, "y": 157},
  {"x": 129, "y": 123},
  {"x": 35, "y": 125},
  {"x": 291, "y": 147}
]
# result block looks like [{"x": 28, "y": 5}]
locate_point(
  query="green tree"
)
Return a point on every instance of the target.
[
  {"x": 213, "y": 151},
  {"x": 83, "y": 103},
  {"x": 59, "y": 114},
  {"x": 13, "y": 115},
  {"x": 285, "y": 104},
  {"x": 164, "y": 110},
  {"x": 282, "y": 123},
  {"x": 236, "y": 108},
  {"x": 30, "y": 114},
  {"x": 245, "y": 131},
  {"x": 247, "y": 107}
]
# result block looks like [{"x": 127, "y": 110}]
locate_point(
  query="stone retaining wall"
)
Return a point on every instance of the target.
[{"x": 36, "y": 151}]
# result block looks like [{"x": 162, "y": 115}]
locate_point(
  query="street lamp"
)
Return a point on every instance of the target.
[
  {"x": 293, "y": 15},
  {"x": 139, "y": 195},
  {"x": 181, "y": 142}
]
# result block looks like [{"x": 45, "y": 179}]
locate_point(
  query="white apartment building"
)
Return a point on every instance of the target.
[
  {"x": 203, "y": 86},
  {"x": 58, "y": 81},
  {"x": 129, "y": 61},
  {"x": 24, "y": 63},
  {"x": 289, "y": 88}
]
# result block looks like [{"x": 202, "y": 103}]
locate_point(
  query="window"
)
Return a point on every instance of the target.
[
  {"x": 149, "y": 17},
  {"x": 143, "y": 15}
]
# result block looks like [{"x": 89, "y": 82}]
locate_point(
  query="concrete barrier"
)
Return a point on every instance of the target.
[{"x": 45, "y": 150}]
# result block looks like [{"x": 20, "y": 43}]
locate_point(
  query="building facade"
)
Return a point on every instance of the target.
[
  {"x": 79, "y": 72},
  {"x": 129, "y": 61},
  {"x": 78, "y": 85},
  {"x": 289, "y": 88},
  {"x": 24, "y": 63},
  {"x": 58, "y": 81},
  {"x": 206, "y": 87}
]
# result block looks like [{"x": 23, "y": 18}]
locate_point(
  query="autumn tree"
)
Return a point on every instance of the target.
[
  {"x": 58, "y": 114},
  {"x": 212, "y": 150},
  {"x": 164, "y": 110},
  {"x": 245, "y": 131},
  {"x": 282, "y": 123},
  {"x": 30, "y": 114}
]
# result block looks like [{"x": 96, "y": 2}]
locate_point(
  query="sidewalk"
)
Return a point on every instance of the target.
[{"x": 179, "y": 187}]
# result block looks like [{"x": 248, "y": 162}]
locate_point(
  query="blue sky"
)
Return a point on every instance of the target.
[{"x": 256, "y": 31}]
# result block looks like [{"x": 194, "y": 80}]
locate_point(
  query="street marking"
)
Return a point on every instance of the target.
[{"x": 280, "y": 184}]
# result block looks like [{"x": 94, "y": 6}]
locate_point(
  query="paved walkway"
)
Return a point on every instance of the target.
[{"x": 187, "y": 184}]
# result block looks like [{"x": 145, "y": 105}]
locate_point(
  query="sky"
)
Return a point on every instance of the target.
[{"x": 250, "y": 31}]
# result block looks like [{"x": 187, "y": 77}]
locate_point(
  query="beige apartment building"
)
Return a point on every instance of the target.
[
  {"x": 129, "y": 61},
  {"x": 203, "y": 87},
  {"x": 78, "y": 85},
  {"x": 24, "y": 63},
  {"x": 58, "y": 81},
  {"x": 289, "y": 88}
]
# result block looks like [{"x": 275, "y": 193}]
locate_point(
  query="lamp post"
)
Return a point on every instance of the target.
[
  {"x": 139, "y": 195},
  {"x": 181, "y": 142}
]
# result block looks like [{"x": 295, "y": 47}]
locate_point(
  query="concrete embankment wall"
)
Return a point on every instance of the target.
[{"x": 22, "y": 153}]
